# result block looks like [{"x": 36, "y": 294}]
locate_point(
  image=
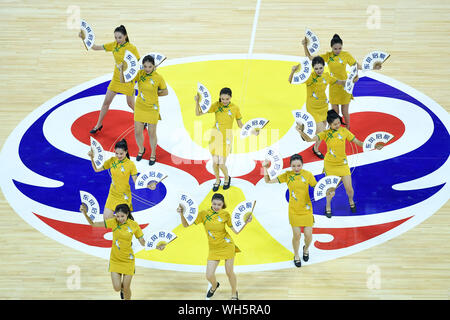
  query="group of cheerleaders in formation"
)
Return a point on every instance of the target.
[{"x": 118, "y": 208}]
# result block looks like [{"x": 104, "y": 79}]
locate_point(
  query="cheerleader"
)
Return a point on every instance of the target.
[
  {"x": 151, "y": 86},
  {"x": 316, "y": 98},
  {"x": 337, "y": 61},
  {"x": 122, "y": 259},
  {"x": 298, "y": 182},
  {"x": 121, "y": 168},
  {"x": 118, "y": 48},
  {"x": 335, "y": 162},
  {"x": 221, "y": 245},
  {"x": 222, "y": 134}
]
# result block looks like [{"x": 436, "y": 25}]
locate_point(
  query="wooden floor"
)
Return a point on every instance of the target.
[{"x": 42, "y": 58}]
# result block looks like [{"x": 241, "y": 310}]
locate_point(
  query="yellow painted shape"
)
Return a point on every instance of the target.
[
  {"x": 191, "y": 245},
  {"x": 260, "y": 89}
]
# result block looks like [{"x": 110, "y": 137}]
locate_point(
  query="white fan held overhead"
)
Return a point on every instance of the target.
[
  {"x": 303, "y": 72},
  {"x": 99, "y": 153},
  {"x": 190, "y": 208},
  {"x": 92, "y": 206},
  {"x": 205, "y": 98},
  {"x": 325, "y": 185},
  {"x": 87, "y": 34},
  {"x": 253, "y": 125},
  {"x": 156, "y": 239},
  {"x": 241, "y": 213},
  {"x": 376, "y": 140},
  {"x": 312, "y": 42}
]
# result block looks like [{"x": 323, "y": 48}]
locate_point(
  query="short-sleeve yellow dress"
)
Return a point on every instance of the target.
[
  {"x": 316, "y": 98},
  {"x": 337, "y": 66},
  {"x": 221, "y": 245},
  {"x": 300, "y": 206},
  {"x": 118, "y": 51},
  {"x": 335, "y": 162},
  {"x": 221, "y": 140},
  {"x": 122, "y": 256},
  {"x": 147, "y": 109},
  {"x": 120, "y": 191}
]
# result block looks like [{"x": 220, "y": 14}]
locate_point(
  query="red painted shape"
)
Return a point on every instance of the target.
[
  {"x": 120, "y": 124},
  {"x": 81, "y": 232},
  {"x": 347, "y": 237}
]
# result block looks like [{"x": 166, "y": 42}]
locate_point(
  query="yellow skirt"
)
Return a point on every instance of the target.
[
  {"x": 303, "y": 218},
  {"x": 338, "y": 95},
  {"x": 122, "y": 265},
  {"x": 319, "y": 112},
  {"x": 146, "y": 114},
  {"x": 336, "y": 169},
  {"x": 115, "y": 198},
  {"x": 225, "y": 252},
  {"x": 126, "y": 88},
  {"x": 219, "y": 144}
]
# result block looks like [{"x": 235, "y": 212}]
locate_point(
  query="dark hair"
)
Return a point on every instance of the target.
[
  {"x": 148, "y": 58},
  {"x": 336, "y": 39},
  {"x": 124, "y": 208},
  {"x": 123, "y": 31},
  {"x": 122, "y": 144},
  {"x": 333, "y": 115},
  {"x": 317, "y": 60},
  {"x": 225, "y": 91},
  {"x": 295, "y": 157},
  {"x": 219, "y": 196}
]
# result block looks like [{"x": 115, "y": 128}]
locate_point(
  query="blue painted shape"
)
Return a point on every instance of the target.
[{"x": 77, "y": 174}]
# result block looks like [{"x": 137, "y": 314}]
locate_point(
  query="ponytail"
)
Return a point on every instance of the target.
[
  {"x": 122, "y": 144},
  {"x": 123, "y": 31}
]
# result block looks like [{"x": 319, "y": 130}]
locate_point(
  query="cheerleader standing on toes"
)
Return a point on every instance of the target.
[
  {"x": 221, "y": 134},
  {"x": 151, "y": 86},
  {"x": 221, "y": 245},
  {"x": 122, "y": 260},
  {"x": 118, "y": 48},
  {"x": 335, "y": 162},
  {"x": 316, "y": 98},
  {"x": 298, "y": 181},
  {"x": 337, "y": 61}
]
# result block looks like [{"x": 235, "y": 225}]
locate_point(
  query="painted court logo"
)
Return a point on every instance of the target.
[{"x": 45, "y": 165}]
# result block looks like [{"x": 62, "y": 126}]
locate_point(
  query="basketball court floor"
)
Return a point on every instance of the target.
[{"x": 396, "y": 246}]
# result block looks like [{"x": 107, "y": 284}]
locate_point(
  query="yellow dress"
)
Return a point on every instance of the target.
[
  {"x": 118, "y": 51},
  {"x": 221, "y": 134},
  {"x": 337, "y": 66},
  {"x": 300, "y": 206},
  {"x": 146, "y": 109},
  {"x": 335, "y": 162},
  {"x": 119, "y": 191},
  {"x": 316, "y": 98},
  {"x": 221, "y": 245},
  {"x": 122, "y": 256}
]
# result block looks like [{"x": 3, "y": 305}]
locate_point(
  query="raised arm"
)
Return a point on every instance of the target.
[
  {"x": 183, "y": 219},
  {"x": 267, "y": 179},
  {"x": 293, "y": 70},
  {"x": 91, "y": 155},
  {"x": 304, "y": 136},
  {"x": 249, "y": 219},
  {"x": 94, "y": 47},
  {"x": 305, "y": 47},
  {"x": 83, "y": 209},
  {"x": 198, "y": 110}
]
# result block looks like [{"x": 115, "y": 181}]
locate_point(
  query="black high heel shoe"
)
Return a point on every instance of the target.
[
  {"x": 140, "y": 155},
  {"x": 95, "y": 130},
  {"x": 227, "y": 185}
]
